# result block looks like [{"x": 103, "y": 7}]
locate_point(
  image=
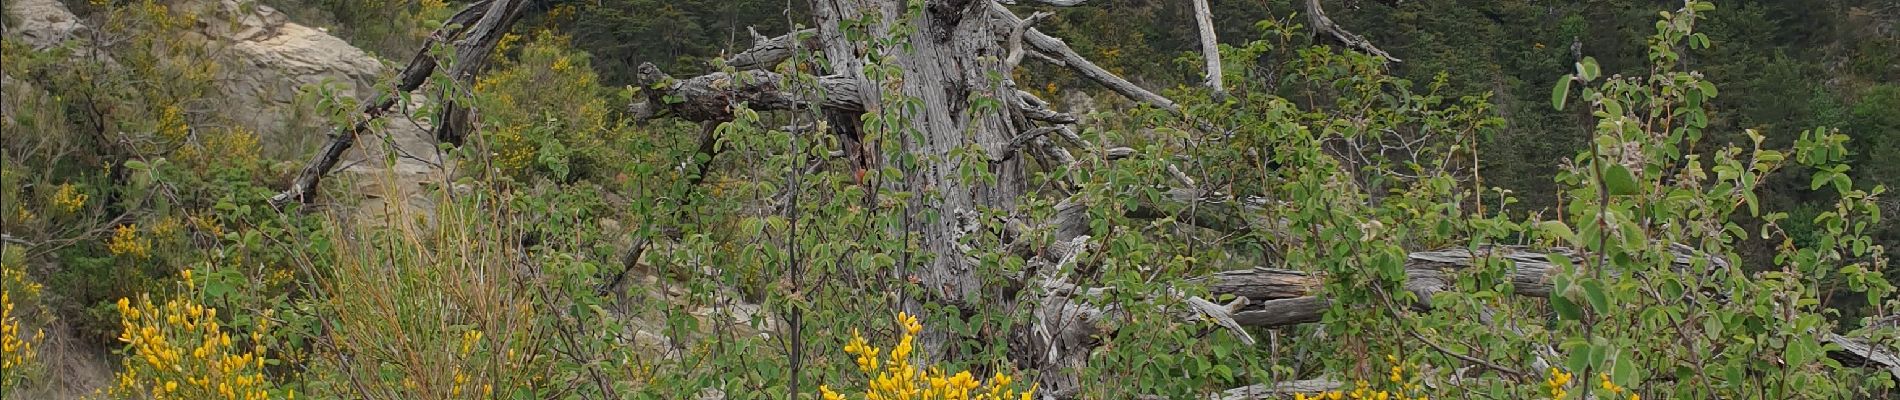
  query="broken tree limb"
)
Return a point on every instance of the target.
[
  {"x": 1198, "y": 208},
  {"x": 1860, "y": 352},
  {"x": 471, "y": 56},
  {"x": 1016, "y": 36},
  {"x": 1287, "y": 297},
  {"x": 1017, "y": 144},
  {"x": 1210, "y": 47},
  {"x": 712, "y": 97},
  {"x": 767, "y": 52},
  {"x": 1323, "y": 25},
  {"x": 303, "y": 187},
  {"x": 1035, "y": 109},
  {"x": 1061, "y": 51}
]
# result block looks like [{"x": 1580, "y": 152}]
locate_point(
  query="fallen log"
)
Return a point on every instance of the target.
[{"x": 1280, "y": 297}]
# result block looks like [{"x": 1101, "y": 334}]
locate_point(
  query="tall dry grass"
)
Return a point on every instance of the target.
[{"x": 431, "y": 303}]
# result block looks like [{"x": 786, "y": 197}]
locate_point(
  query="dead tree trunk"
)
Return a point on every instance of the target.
[{"x": 952, "y": 54}]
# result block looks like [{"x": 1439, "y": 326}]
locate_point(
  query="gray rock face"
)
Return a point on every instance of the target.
[
  {"x": 42, "y": 23},
  {"x": 267, "y": 61}
]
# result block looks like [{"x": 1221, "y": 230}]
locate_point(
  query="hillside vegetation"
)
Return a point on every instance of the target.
[{"x": 949, "y": 199}]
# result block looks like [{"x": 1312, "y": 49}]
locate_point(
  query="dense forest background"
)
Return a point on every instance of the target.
[
  {"x": 568, "y": 244},
  {"x": 1789, "y": 64}
]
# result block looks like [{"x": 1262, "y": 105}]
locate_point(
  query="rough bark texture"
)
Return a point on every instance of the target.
[
  {"x": 953, "y": 53},
  {"x": 769, "y": 51},
  {"x": 471, "y": 56},
  {"x": 712, "y": 97}
]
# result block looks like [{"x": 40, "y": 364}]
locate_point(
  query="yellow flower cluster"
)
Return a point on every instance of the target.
[
  {"x": 126, "y": 241},
  {"x": 208, "y": 225},
  {"x": 1362, "y": 390},
  {"x": 13, "y": 278},
  {"x": 22, "y": 215},
  {"x": 1613, "y": 391},
  {"x": 227, "y": 147},
  {"x": 470, "y": 340},
  {"x": 68, "y": 198},
  {"x": 900, "y": 380},
  {"x": 16, "y": 354},
  {"x": 1556, "y": 382},
  {"x": 512, "y": 151},
  {"x": 171, "y": 124},
  {"x": 180, "y": 351},
  {"x": 1398, "y": 370}
]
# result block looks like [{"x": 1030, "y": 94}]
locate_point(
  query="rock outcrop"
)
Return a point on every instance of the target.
[
  {"x": 266, "y": 62},
  {"x": 41, "y": 23}
]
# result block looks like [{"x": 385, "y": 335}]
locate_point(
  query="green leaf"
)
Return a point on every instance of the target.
[
  {"x": 1579, "y": 357},
  {"x": 1559, "y": 230},
  {"x": 1619, "y": 180},
  {"x": 1593, "y": 292},
  {"x": 1588, "y": 69},
  {"x": 1624, "y": 371},
  {"x": 1559, "y": 93},
  {"x": 137, "y": 165},
  {"x": 1566, "y": 309}
]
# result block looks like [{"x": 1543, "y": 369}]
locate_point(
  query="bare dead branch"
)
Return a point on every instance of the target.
[
  {"x": 1016, "y": 145},
  {"x": 1016, "y": 36},
  {"x": 1221, "y": 316},
  {"x": 767, "y": 52},
  {"x": 1321, "y": 24},
  {"x": 1036, "y": 109},
  {"x": 471, "y": 56},
  {"x": 1056, "y": 48},
  {"x": 1210, "y": 47}
]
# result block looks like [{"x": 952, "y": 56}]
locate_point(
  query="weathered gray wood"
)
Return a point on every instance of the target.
[
  {"x": 1860, "y": 352},
  {"x": 767, "y": 52},
  {"x": 471, "y": 56},
  {"x": 1210, "y": 46},
  {"x": 712, "y": 97},
  {"x": 949, "y": 57}
]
